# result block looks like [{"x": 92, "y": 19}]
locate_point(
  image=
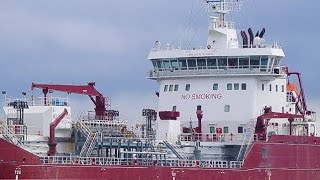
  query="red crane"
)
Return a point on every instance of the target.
[
  {"x": 52, "y": 142},
  {"x": 99, "y": 100}
]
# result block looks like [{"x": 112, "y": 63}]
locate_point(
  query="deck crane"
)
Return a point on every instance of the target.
[{"x": 89, "y": 89}]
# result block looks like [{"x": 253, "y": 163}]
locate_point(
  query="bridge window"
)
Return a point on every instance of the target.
[
  {"x": 282, "y": 88},
  {"x": 236, "y": 86},
  {"x": 170, "y": 87},
  {"x": 229, "y": 86},
  {"x": 165, "y": 88},
  {"x": 159, "y": 64},
  {"x": 166, "y": 64},
  {"x": 212, "y": 63},
  {"x": 254, "y": 61},
  {"x": 222, "y": 63},
  {"x": 262, "y": 87},
  {"x": 174, "y": 64},
  {"x": 183, "y": 64},
  {"x": 192, "y": 64},
  {"x": 187, "y": 87},
  {"x": 233, "y": 62},
  {"x": 176, "y": 87},
  {"x": 264, "y": 64},
  {"x": 270, "y": 87},
  {"x": 276, "y": 88},
  {"x": 243, "y": 86},
  {"x": 244, "y": 62},
  {"x": 201, "y": 63},
  {"x": 215, "y": 87}
]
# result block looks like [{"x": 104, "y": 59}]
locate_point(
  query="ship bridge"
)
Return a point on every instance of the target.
[{"x": 202, "y": 61}]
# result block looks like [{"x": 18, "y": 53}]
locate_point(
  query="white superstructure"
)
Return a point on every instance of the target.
[{"x": 231, "y": 83}]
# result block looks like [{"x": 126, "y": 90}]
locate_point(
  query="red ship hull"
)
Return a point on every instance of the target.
[{"x": 287, "y": 158}]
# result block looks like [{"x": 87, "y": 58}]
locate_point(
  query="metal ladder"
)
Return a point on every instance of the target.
[
  {"x": 174, "y": 150},
  {"x": 90, "y": 142},
  {"x": 247, "y": 141}
]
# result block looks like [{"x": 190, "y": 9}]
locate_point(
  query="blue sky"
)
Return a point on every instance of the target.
[{"x": 108, "y": 42}]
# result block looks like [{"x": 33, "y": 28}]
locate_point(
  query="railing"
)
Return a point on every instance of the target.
[
  {"x": 112, "y": 161},
  {"x": 22, "y": 130},
  {"x": 10, "y": 136},
  {"x": 39, "y": 101},
  {"x": 89, "y": 145},
  {"x": 174, "y": 149},
  {"x": 212, "y": 137},
  {"x": 223, "y": 24},
  {"x": 193, "y": 48},
  {"x": 221, "y": 70}
]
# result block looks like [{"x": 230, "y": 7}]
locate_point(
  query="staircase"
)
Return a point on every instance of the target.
[
  {"x": 10, "y": 137},
  {"x": 246, "y": 144},
  {"x": 174, "y": 150},
  {"x": 90, "y": 142}
]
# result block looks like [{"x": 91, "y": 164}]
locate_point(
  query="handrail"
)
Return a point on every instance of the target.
[
  {"x": 211, "y": 137},
  {"x": 217, "y": 70},
  {"x": 113, "y": 161},
  {"x": 188, "y": 48}
]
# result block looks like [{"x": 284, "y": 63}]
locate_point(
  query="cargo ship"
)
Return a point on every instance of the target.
[{"x": 228, "y": 110}]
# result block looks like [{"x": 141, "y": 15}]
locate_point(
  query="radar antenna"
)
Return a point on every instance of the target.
[{"x": 223, "y": 7}]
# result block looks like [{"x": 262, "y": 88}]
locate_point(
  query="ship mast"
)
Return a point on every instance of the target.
[{"x": 222, "y": 33}]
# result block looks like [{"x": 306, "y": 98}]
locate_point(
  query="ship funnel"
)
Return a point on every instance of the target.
[
  {"x": 257, "y": 35},
  {"x": 251, "y": 36},
  {"x": 244, "y": 39},
  {"x": 262, "y": 33}
]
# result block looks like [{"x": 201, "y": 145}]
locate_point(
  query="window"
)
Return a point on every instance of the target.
[
  {"x": 233, "y": 62},
  {"x": 282, "y": 88},
  {"x": 225, "y": 129},
  {"x": 176, "y": 87},
  {"x": 183, "y": 64},
  {"x": 276, "y": 88},
  {"x": 270, "y": 87},
  {"x": 229, "y": 86},
  {"x": 215, "y": 87},
  {"x": 262, "y": 87},
  {"x": 170, "y": 87},
  {"x": 166, "y": 64},
  {"x": 244, "y": 86},
  {"x": 201, "y": 63},
  {"x": 222, "y": 63},
  {"x": 264, "y": 63},
  {"x": 174, "y": 64},
  {"x": 192, "y": 63},
  {"x": 264, "y": 153},
  {"x": 187, "y": 87},
  {"x": 212, "y": 63},
  {"x": 254, "y": 61},
  {"x": 240, "y": 129},
  {"x": 227, "y": 108},
  {"x": 212, "y": 129},
  {"x": 244, "y": 62},
  {"x": 165, "y": 88},
  {"x": 236, "y": 86}
]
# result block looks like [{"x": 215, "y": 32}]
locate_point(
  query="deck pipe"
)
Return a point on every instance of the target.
[{"x": 199, "y": 116}]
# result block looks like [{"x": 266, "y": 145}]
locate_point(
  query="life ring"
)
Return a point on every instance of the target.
[{"x": 208, "y": 47}]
